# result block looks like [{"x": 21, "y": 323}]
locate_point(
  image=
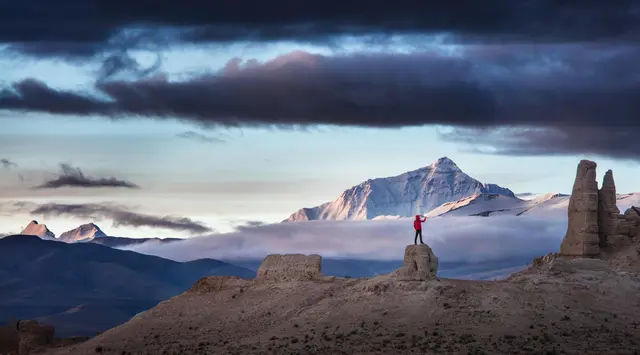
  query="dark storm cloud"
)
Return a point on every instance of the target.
[
  {"x": 484, "y": 86},
  {"x": 200, "y": 137},
  {"x": 613, "y": 142},
  {"x": 74, "y": 177},
  {"x": 7, "y": 164},
  {"x": 81, "y": 27},
  {"x": 121, "y": 217},
  {"x": 570, "y": 94}
]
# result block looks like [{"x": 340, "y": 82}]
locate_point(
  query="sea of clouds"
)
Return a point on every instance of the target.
[{"x": 467, "y": 239}]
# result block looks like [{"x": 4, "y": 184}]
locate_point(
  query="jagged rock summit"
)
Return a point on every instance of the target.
[
  {"x": 595, "y": 225},
  {"x": 408, "y": 194},
  {"x": 83, "y": 233},
  {"x": 40, "y": 230}
]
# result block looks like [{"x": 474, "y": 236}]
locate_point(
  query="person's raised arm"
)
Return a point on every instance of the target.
[{"x": 424, "y": 219}]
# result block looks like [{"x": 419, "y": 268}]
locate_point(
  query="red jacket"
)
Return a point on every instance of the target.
[{"x": 417, "y": 224}]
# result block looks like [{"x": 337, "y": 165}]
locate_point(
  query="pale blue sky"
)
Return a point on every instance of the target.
[{"x": 258, "y": 174}]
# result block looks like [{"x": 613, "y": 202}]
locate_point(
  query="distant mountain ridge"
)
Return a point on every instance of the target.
[
  {"x": 74, "y": 285},
  {"x": 88, "y": 233},
  {"x": 407, "y": 194},
  {"x": 84, "y": 233}
]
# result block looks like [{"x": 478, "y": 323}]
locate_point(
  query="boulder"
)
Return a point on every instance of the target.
[
  {"x": 420, "y": 263},
  {"x": 632, "y": 214},
  {"x": 290, "y": 267},
  {"x": 582, "y": 237},
  {"x": 34, "y": 336}
]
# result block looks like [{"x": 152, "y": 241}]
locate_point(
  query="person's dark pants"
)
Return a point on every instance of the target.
[{"x": 418, "y": 233}]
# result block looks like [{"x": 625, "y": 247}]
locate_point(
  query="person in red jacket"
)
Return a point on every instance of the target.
[{"x": 417, "y": 225}]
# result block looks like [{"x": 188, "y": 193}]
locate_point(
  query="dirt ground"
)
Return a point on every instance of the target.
[{"x": 566, "y": 306}]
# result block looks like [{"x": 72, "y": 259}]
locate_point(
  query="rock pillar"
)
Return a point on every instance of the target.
[
  {"x": 582, "y": 237},
  {"x": 420, "y": 263}
]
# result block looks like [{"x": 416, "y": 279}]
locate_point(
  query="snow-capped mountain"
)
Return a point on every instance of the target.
[
  {"x": 40, "y": 230},
  {"x": 408, "y": 194},
  {"x": 84, "y": 233}
]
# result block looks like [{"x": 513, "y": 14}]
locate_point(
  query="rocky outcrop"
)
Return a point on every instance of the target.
[
  {"x": 34, "y": 336},
  {"x": 614, "y": 228},
  {"x": 582, "y": 237},
  {"x": 595, "y": 223},
  {"x": 543, "y": 260},
  {"x": 290, "y": 267},
  {"x": 607, "y": 208},
  {"x": 420, "y": 264},
  {"x": 632, "y": 216}
]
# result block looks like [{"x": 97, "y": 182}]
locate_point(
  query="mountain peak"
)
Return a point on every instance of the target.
[
  {"x": 83, "y": 233},
  {"x": 410, "y": 193},
  {"x": 444, "y": 163},
  {"x": 40, "y": 230}
]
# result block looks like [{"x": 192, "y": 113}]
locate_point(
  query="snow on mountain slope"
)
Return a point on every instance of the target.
[
  {"x": 478, "y": 204},
  {"x": 552, "y": 205},
  {"x": 84, "y": 233},
  {"x": 625, "y": 201},
  {"x": 40, "y": 230},
  {"x": 408, "y": 194}
]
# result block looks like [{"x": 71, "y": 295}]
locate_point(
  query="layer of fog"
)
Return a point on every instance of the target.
[{"x": 453, "y": 239}]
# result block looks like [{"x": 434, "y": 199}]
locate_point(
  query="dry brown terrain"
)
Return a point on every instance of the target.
[{"x": 564, "y": 306}]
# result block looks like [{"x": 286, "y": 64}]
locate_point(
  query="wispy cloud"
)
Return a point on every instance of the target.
[
  {"x": 74, "y": 177},
  {"x": 525, "y": 194},
  {"x": 7, "y": 164},
  {"x": 200, "y": 137},
  {"x": 120, "y": 216},
  {"x": 453, "y": 239},
  {"x": 248, "y": 225}
]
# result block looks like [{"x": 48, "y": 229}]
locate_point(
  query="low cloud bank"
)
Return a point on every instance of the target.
[{"x": 453, "y": 239}]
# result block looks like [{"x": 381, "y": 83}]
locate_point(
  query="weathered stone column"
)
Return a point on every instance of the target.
[
  {"x": 582, "y": 237},
  {"x": 607, "y": 208}
]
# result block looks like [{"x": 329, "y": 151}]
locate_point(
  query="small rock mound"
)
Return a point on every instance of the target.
[
  {"x": 217, "y": 283},
  {"x": 543, "y": 260},
  {"x": 420, "y": 264},
  {"x": 290, "y": 267}
]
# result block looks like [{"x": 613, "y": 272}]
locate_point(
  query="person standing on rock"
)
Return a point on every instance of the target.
[{"x": 417, "y": 225}]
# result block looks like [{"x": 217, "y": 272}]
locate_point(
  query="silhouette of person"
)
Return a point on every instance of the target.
[{"x": 417, "y": 225}]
